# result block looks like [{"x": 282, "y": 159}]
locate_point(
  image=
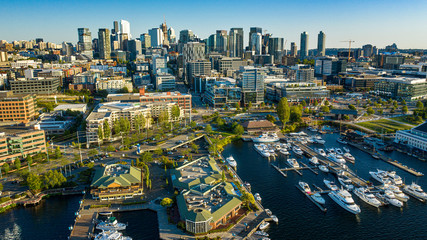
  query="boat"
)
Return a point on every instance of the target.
[
  {"x": 346, "y": 149},
  {"x": 318, "y": 139},
  {"x": 248, "y": 185},
  {"x": 341, "y": 140},
  {"x": 376, "y": 156},
  {"x": 311, "y": 140},
  {"x": 265, "y": 238},
  {"x": 261, "y": 233},
  {"x": 330, "y": 184},
  {"x": 318, "y": 198},
  {"x": 330, "y": 150},
  {"x": 268, "y": 211},
  {"x": 293, "y": 163},
  {"x": 416, "y": 191},
  {"x": 312, "y": 129},
  {"x": 108, "y": 213},
  {"x": 305, "y": 187},
  {"x": 395, "y": 179},
  {"x": 274, "y": 218},
  {"x": 346, "y": 182},
  {"x": 111, "y": 235},
  {"x": 397, "y": 192},
  {"x": 343, "y": 198},
  {"x": 284, "y": 151},
  {"x": 297, "y": 150},
  {"x": 349, "y": 157},
  {"x": 262, "y": 149},
  {"x": 266, "y": 137},
  {"x": 386, "y": 177},
  {"x": 365, "y": 195},
  {"x": 321, "y": 151},
  {"x": 314, "y": 160},
  {"x": 111, "y": 224},
  {"x": 257, "y": 197},
  {"x": 323, "y": 168},
  {"x": 264, "y": 225},
  {"x": 336, "y": 158},
  {"x": 390, "y": 198},
  {"x": 231, "y": 161},
  {"x": 338, "y": 151}
]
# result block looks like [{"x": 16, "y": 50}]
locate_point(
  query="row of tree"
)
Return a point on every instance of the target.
[{"x": 50, "y": 179}]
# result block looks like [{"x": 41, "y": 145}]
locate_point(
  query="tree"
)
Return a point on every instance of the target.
[
  {"x": 193, "y": 124},
  {"x": 271, "y": 118},
  {"x": 116, "y": 126},
  {"x": 124, "y": 125},
  {"x": 158, "y": 151},
  {"x": 147, "y": 157},
  {"x": 223, "y": 175},
  {"x": 106, "y": 129},
  {"x": 6, "y": 168},
  {"x": 263, "y": 105},
  {"x": 195, "y": 147},
  {"x": 17, "y": 164},
  {"x": 419, "y": 105},
  {"x": 283, "y": 110},
  {"x": 380, "y": 111},
  {"x": 405, "y": 109},
  {"x": 370, "y": 111},
  {"x": 303, "y": 103},
  {"x": 176, "y": 111},
  {"x": 237, "y": 106},
  {"x": 208, "y": 129},
  {"x": 327, "y": 103},
  {"x": 325, "y": 109},
  {"x": 100, "y": 133},
  {"x": 110, "y": 148},
  {"x": 351, "y": 107},
  {"x": 238, "y": 130},
  {"x": 316, "y": 103},
  {"x": 296, "y": 114},
  {"x": 29, "y": 160},
  {"x": 345, "y": 117},
  {"x": 1, "y": 187},
  {"x": 403, "y": 102},
  {"x": 250, "y": 105},
  {"x": 163, "y": 117},
  {"x": 166, "y": 202},
  {"x": 58, "y": 153},
  {"x": 34, "y": 182},
  {"x": 92, "y": 152}
]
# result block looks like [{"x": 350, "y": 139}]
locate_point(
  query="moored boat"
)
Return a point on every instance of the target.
[
  {"x": 330, "y": 184},
  {"x": 293, "y": 163},
  {"x": 366, "y": 196},
  {"x": 318, "y": 198},
  {"x": 264, "y": 225},
  {"x": 323, "y": 168},
  {"x": 343, "y": 198},
  {"x": 314, "y": 160},
  {"x": 416, "y": 191},
  {"x": 231, "y": 161}
]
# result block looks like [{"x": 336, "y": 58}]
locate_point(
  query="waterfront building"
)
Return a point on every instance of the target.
[
  {"x": 165, "y": 81},
  {"x": 116, "y": 181},
  {"x": 236, "y": 42},
  {"x": 259, "y": 126},
  {"x": 38, "y": 85},
  {"x": 84, "y": 44},
  {"x": 16, "y": 107},
  {"x": 19, "y": 142},
  {"x": 413, "y": 138},
  {"x": 296, "y": 91},
  {"x": 406, "y": 88},
  {"x": 252, "y": 86},
  {"x": 321, "y": 38},
  {"x": 303, "y": 53},
  {"x": 104, "y": 43},
  {"x": 221, "y": 93}
]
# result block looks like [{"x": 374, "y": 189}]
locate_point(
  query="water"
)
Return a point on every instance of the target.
[
  {"x": 48, "y": 220},
  {"x": 299, "y": 218}
]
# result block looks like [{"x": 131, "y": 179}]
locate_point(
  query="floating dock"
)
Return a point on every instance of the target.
[
  {"x": 311, "y": 199},
  {"x": 310, "y": 168},
  {"x": 278, "y": 169}
]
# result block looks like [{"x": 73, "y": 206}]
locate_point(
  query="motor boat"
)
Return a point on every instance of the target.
[
  {"x": 343, "y": 198},
  {"x": 261, "y": 233},
  {"x": 397, "y": 192},
  {"x": 257, "y": 197},
  {"x": 231, "y": 161},
  {"x": 338, "y": 151},
  {"x": 330, "y": 184},
  {"x": 330, "y": 150},
  {"x": 336, "y": 158},
  {"x": 268, "y": 212},
  {"x": 365, "y": 195},
  {"x": 304, "y": 186},
  {"x": 284, "y": 151},
  {"x": 297, "y": 150},
  {"x": 312, "y": 129},
  {"x": 248, "y": 185},
  {"x": 390, "y": 198},
  {"x": 314, "y": 160},
  {"x": 318, "y": 198},
  {"x": 346, "y": 182},
  {"x": 318, "y": 139},
  {"x": 266, "y": 137},
  {"x": 111, "y": 235},
  {"x": 395, "y": 179},
  {"x": 262, "y": 149},
  {"x": 323, "y": 168},
  {"x": 341, "y": 140},
  {"x": 321, "y": 152},
  {"x": 111, "y": 224},
  {"x": 381, "y": 176},
  {"x": 416, "y": 191},
  {"x": 349, "y": 157},
  {"x": 293, "y": 163},
  {"x": 274, "y": 218},
  {"x": 264, "y": 225},
  {"x": 346, "y": 149}
]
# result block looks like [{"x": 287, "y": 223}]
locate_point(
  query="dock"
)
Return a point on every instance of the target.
[
  {"x": 278, "y": 169},
  {"x": 310, "y": 168},
  {"x": 311, "y": 199}
]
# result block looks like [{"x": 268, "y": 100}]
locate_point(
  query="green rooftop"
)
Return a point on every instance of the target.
[{"x": 116, "y": 174}]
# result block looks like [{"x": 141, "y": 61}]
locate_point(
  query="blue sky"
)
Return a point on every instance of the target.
[{"x": 379, "y": 22}]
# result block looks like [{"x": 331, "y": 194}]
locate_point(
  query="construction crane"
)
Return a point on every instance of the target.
[{"x": 349, "y": 48}]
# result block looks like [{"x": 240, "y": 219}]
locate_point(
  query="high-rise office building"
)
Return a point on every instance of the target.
[
  {"x": 275, "y": 48},
  {"x": 211, "y": 43},
  {"x": 125, "y": 28},
  {"x": 134, "y": 47},
  {"x": 252, "y": 86},
  {"x": 235, "y": 42},
  {"x": 321, "y": 37},
  {"x": 253, "y": 30},
  {"x": 104, "y": 43},
  {"x": 221, "y": 41},
  {"x": 303, "y": 53},
  {"x": 145, "y": 39},
  {"x": 171, "y": 35},
  {"x": 256, "y": 43},
  {"x": 368, "y": 50},
  {"x": 67, "y": 49},
  {"x": 164, "y": 29},
  {"x": 115, "y": 29},
  {"x": 186, "y": 36},
  {"x": 156, "y": 35},
  {"x": 294, "y": 49},
  {"x": 193, "y": 51},
  {"x": 85, "y": 41}
]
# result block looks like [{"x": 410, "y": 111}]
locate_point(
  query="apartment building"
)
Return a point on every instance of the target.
[
  {"x": 16, "y": 107},
  {"x": 35, "y": 85}
]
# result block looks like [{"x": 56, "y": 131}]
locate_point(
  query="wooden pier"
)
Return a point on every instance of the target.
[
  {"x": 311, "y": 199},
  {"x": 280, "y": 171},
  {"x": 310, "y": 168}
]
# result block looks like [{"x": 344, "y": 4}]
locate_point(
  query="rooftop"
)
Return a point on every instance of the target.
[
  {"x": 422, "y": 127},
  {"x": 203, "y": 170},
  {"x": 116, "y": 175},
  {"x": 258, "y": 124}
]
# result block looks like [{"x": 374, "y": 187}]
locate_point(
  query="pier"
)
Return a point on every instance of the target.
[
  {"x": 280, "y": 171},
  {"x": 311, "y": 199}
]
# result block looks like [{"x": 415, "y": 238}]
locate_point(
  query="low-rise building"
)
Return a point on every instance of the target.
[
  {"x": 165, "y": 82},
  {"x": 414, "y": 138},
  {"x": 35, "y": 85},
  {"x": 16, "y": 107},
  {"x": 257, "y": 127},
  {"x": 80, "y": 107},
  {"x": 405, "y": 88},
  {"x": 114, "y": 84},
  {"x": 53, "y": 123},
  {"x": 296, "y": 91},
  {"x": 116, "y": 181}
]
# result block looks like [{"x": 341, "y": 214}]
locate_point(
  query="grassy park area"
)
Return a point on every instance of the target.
[
  {"x": 408, "y": 120},
  {"x": 384, "y": 126}
]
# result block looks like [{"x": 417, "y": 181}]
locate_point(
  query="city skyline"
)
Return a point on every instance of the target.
[{"x": 363, "y": 22}]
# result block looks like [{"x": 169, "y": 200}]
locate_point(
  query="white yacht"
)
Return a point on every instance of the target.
[
  {"x": 310, "y": 140},
  {"x": 349, "y": 157},
  {"x": 397, "y": 192},
  {"x": 346, "y": 149},
  {"x": 330, "y": 150},
  {"x": 323, "y": 168},
  {"x": 318, "y": 139},
  {"x": 339, "y": 151},
  {"x": 318, "y": 198},
  {"x": 257, "y": 197},
  {"x": 314, "y": 160},
  {"x": 297, "y": 150},
  {"x": 366, "y": 196},
  {"x": 390, "y": 198},
  {"x": 336, "y": 158},
  {"x": 341, "y": 140},
  {"x": 381, "y": 176},
  {"x": 293, "y": 163},
  {"x": 321, "y": 152},
  {"x": 266, "y": 137},
  {"x": 304, "y": 186},
  {"x": 231, "y": 161},
  {"x": 396, "y": 179},
  {"x": 346, "y": 182},
  {"x": 416, "y": 191},
  {"x": 262, "y": 149},
  {"x": 330, "y": 184},
  {"x": 344, "y": 199},
  {"x": 284, "y": 151},
  {"x": 111, "y": 224},
  {"x": 111, "y": 235},
  {"x": 274, "y": 218},
  {"x": 264, "y": 225},
  {"x": 261, "y": 233}
]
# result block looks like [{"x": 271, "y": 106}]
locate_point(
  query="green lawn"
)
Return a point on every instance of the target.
[
  {"x": 405, "y": 119},
  {"x": 384, "y": 126}
]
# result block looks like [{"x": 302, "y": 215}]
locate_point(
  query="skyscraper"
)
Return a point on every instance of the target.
[
  {"x": 134, "y": 47},
  {"x": 235, "y": 42},
  {"x": 125, "y": 28},
  {"x": 156, "y": 35},
  {"x": 115, "y": 29},
  {"x": 85, "y": 41},
  {"x": 294, "y": 49},
  {"x": 211, "y": 43},
  {"x": 104, "y": 43},
  {"x": 252, "y": 86},
  {"x": 145, "y": 40},
  {"x": 256, "y": 43},
  {"x": 221, "y": 41},
  {"x": 253, "y": 30},
  {"x": 164, "y": 29},
  {"x": 303, "y": 53},
  {"x": 321, "y": 37},
  {"x": 275, "y": 48},
  {"x": 171, "y": 35},
  {"x": 186, "y": 36},
  {"x": 368, "y": 50}
]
